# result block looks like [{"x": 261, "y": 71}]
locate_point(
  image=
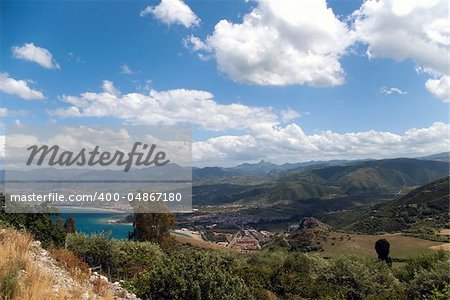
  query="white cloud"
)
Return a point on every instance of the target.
[
  {"x": 300, "y": 42},
  {"x": 290, "y": 143},
  {"x": 405, "y": 29},
  {"x": 109, "y": 88},
  {"x": 3, "y": 112},
  {"x": 440, "y": 87},
  {"x": 36, "y": 54},
  {"x": 170, "y": 107},
  {"x": 289, "y": 115},
  {"x": 173, "y": 12},
  {"x": 263, "y": 135},
  {"x": 392, "y": 90},
  {"x": 19, "y": 88},
  {"x": 281, "y": 43},
  {"x": 125, "y": 69},
  {"x": 195, "y": 43}
]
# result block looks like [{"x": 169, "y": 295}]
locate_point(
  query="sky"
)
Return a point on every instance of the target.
[{"x": 283, "y": 81}]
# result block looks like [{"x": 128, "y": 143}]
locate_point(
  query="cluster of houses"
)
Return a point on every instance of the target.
[{"x": 250, "y": 240}]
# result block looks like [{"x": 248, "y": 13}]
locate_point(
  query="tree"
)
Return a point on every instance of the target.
[
  {"x": 59, "y": 223},
  {"x": 70, "y": 225},
  {"x": 40, "y": 225},
  {"x": 153, "y": 227}
]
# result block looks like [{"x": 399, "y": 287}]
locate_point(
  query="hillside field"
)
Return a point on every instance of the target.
[{"x": 401, "y": 246}]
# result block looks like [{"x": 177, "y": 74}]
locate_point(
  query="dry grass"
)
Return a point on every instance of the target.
[
  {"x": 444, "y": 232},
  {"x": 78, "y": 269},
  {"x": 360, "y": 244},
  {"x": 100, "y": 287},
  {"x": 35, "y": 284},
  {"x": 445, "y": 247},
  {"x": 22, "y": 279},
  {"x": 19, "y": 278}
]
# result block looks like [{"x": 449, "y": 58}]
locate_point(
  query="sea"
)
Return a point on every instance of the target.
[{"x": 96, "y": 221}]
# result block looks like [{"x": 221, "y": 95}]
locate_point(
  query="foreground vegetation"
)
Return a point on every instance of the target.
[
  {"x": 177, "y": 271},
  {"x": 183, "y": 272},
  {"x": 153, "y": 266},
  {"x": 28, "y": 272}
]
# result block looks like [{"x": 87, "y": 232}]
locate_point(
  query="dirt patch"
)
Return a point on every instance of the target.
[
  {"x": 198, "y": 243},
  {"x": 445, "y": 247},
  {"x": 444, "y": 232}
]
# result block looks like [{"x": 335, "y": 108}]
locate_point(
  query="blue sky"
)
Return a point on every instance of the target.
[{"x": 92, "y": 41}]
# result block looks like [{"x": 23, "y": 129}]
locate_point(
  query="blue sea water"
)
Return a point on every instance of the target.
[{"x": 96, "y": 222}]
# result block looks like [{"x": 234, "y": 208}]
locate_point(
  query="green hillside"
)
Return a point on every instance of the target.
[
  {"x": 366, "y": 177},
  {"x": 421, "y": 211}
]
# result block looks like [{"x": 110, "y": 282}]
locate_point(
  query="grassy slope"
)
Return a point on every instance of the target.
[
  {"x": 425, "y": 208},
  {"x": 401, "y": 246}
]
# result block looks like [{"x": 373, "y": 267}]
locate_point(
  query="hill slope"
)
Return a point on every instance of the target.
[
  {"x": 422, "y": 210},
  {"x": 366, "y": 177}
]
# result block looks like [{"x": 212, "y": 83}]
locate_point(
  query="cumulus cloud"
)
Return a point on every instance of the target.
[
  {"x": 289, "y": 115},
  {"x": 170, "y": 107},
  {"x": 173, "y": 12},
  {"x": 109, "y": 88},
  {"x": 19, "y": 88},
  {"x": 392, "y": 90},
  {"x": 404, "y": 29},
  {"x": 290, "y": 143},
  {"x": 440, "y": 87},
  {"x": 264, "y": 131},
  {"x": 298, "y": 42},
  {"x": 280, "y": 43},
  {"x": 36, "y": 54},
  {"x": 3, "y": 112}
]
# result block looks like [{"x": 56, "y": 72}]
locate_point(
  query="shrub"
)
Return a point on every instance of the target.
[
  {"x": 312, "y": 277},
  {"x": 192, "y": 275},
  {"x": 362, "y": 278},
  {"x": 96, "y": 250},
  {"x": 437, "y": 294},
  {"x": 427, "y": 276},
  {"x": 131, "y": 258},
  {"x": 297, "y": 275},
  {"x": 420, "y": 263},
  {"x": 119, "y": 259},
  {"x": 40, "y": 225}
]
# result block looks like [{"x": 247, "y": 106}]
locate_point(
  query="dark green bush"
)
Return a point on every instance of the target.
[
  {"x": 427, "y": 275},
  {"x": 422, "y": 262},
  {"x": 96, "y": 250},
  {"x": 192, "y": 275},
  {"x": 119, "y": 259},
  {"x": 189, "y": 273},
  {"x": 40, "y": 225}
]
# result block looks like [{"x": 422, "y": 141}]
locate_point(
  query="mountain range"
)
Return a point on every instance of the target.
[{"x": 387, "y": 176}]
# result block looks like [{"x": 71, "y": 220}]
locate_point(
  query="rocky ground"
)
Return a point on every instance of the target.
[
  {"x": 42, "y": 275},
  {"x": 97, "y": 287}
]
